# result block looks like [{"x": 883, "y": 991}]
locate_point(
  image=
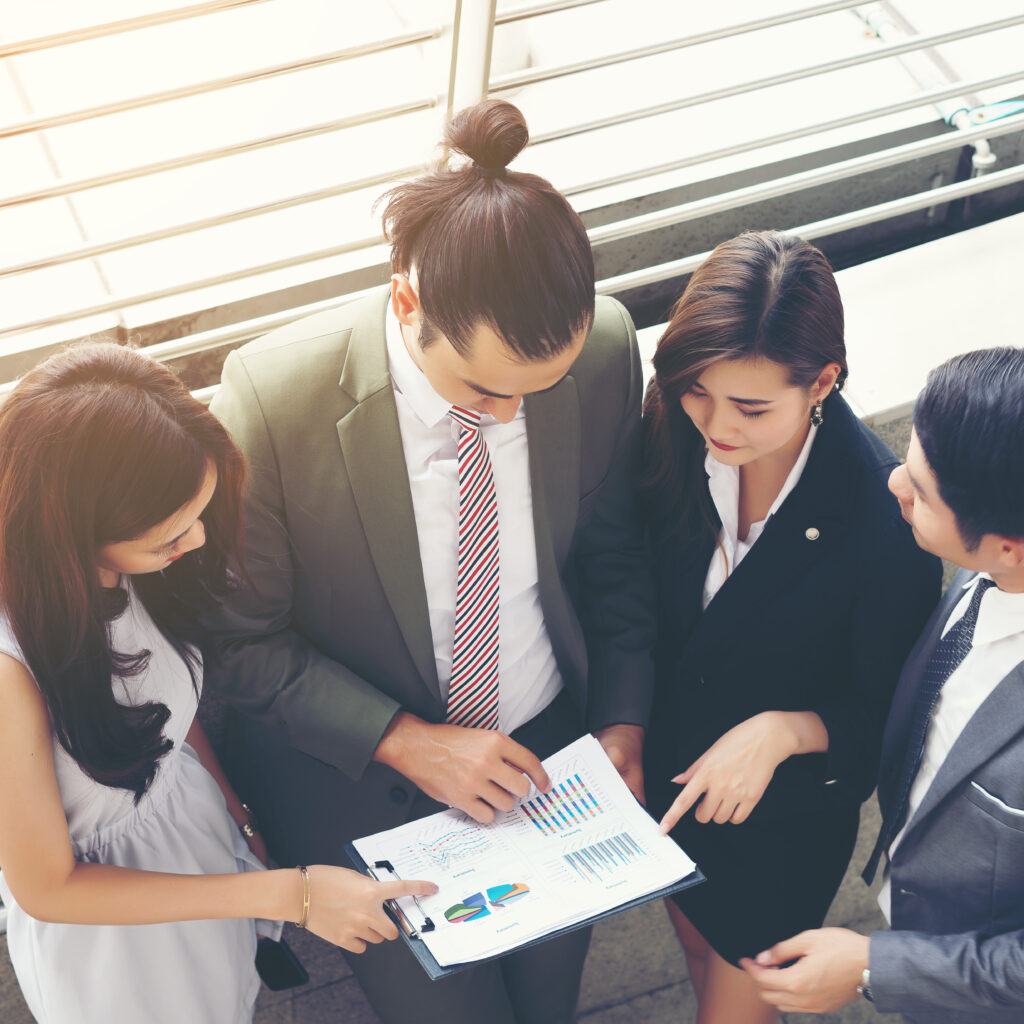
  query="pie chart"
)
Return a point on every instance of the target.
[
  {"x": 502, "y": 895},
  {"x": 472, "y": 908}
]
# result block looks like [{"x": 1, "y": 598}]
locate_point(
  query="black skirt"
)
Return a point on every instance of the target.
[{"x": 768, "y": 879}]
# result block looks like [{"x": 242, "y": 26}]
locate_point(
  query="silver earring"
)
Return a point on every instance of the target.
[{"x": 816, "y": 416}]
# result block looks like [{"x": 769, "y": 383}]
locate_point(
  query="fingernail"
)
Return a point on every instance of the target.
[{"x": 763, "y": 958}]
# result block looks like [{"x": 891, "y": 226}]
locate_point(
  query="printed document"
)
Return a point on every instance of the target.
[{"x": 553, "y": 860}]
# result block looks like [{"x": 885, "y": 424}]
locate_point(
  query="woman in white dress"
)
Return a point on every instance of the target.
[{"x": 113, "y": 809}]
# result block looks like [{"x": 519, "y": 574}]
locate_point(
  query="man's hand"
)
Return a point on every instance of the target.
[
  {"x": 828, "y": 969},
  {"x": 478, "y": 771},
  {"x": 624, "y": 744}
]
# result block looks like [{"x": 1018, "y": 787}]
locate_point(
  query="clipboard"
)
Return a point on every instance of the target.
[{"x": 411, "y": 930}]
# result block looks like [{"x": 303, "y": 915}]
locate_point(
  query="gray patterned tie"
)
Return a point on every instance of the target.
[{"x": 949, "y": 652}]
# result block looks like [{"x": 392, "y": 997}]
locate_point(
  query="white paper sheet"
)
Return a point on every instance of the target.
[{"x": 554, "y": 859}]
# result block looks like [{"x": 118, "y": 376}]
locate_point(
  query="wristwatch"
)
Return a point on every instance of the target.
[{"x": 864, "y": 988}]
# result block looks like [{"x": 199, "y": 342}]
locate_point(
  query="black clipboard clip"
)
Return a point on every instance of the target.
[{"x": 410, "y": 928}]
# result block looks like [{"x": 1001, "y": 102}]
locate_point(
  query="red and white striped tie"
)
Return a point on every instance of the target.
[{"x": 473, "y": 690}]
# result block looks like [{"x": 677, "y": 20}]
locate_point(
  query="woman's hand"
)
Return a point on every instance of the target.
[
  {"x": 347, "y": 908},
  {"x": 734, "y": 772}
]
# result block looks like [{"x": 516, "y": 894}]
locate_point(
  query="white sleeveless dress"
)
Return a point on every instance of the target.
[{"x": 199, "y": 972}]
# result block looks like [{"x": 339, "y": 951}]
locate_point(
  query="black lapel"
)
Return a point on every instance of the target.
[
  {"x": 812, "y": 521},
  {"x": 682, "y": 565}
]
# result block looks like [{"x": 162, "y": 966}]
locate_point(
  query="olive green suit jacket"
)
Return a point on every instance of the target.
[{"x": 330, "y": 637}]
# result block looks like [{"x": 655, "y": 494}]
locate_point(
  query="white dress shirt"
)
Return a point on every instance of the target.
[
  {"x": 528, "y": 677},
  {"x": 724, "y": 485},
  {"x": 997, "y": 649}
]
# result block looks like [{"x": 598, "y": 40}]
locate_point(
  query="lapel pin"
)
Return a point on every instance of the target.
[{"x": 812, "y": 533}]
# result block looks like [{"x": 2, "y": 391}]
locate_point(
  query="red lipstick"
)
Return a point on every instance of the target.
[{"x": 724, "y": 447}]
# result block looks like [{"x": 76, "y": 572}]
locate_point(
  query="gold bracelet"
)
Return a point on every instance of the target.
[{"x": 303, "y": 921}]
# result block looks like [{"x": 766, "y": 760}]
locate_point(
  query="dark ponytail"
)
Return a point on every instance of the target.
[
  {"x": 491, "y": 134},
  {"x": 492, "y": 246}
]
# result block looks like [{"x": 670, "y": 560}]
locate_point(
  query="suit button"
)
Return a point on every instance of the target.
[
  {"x": 398, "y": 795},
  {"x": 812, "y": 533}
]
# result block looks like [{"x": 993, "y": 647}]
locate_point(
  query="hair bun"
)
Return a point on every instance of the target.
[{"x": 492, "y": 133}]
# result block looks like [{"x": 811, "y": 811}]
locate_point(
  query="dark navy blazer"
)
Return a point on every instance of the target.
[{"x": 818, "y": 616}]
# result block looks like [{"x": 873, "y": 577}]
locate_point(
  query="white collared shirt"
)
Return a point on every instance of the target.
[
  {"x": 724, "y": 485},
  {"x": 997, "y": 649},
  {"x": 527, "y": 672}
]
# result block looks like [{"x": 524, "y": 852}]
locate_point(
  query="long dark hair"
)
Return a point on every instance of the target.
[
  {"x": 762, "y": 295},
  {"x": 492, "y": 246},
  {"x": 98, "y": 444}
]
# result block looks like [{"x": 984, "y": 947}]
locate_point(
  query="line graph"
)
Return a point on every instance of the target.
[{"x": 449, "y": 847}]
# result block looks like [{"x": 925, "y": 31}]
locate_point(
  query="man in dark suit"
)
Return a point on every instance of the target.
[
  {"x": 951, "y": 783},
  {"x": 446, "y": 576}
]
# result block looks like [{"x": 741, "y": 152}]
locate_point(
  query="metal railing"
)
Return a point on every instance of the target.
[
  {"x": 226, "y": 82},
  {"x": 234, "y": 334},
  {"x": 217, "y": 220},
  {"x": 812, "y": 71},
  {"x": 518, "y": 79},
  {"x": 598, "y": 236},
  {"x": 828, "y": 226},
  {"x": 477, "y": 26},
  {"x": 800, "y": 181},
  {"x": 111, "y": 28},
  {"x": 96, "y": 249},
  {"x": 206, "y": 282},
  {"x": 537, "y": 10},
  {"x": 625, "y": 282},
  {"x": 765, "y": 141},
  {"x": 235, "y": 149},
  {"x": 634, "y": 226}
]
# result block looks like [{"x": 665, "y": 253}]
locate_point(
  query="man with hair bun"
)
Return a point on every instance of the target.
[
  {"x": 446, "y": 573},
  {"x": 951, "y": 783}
]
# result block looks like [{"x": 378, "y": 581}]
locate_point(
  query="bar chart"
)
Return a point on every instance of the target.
[
  {"x": 600, "y": 861},
  {"x": 570, "y": 804}
]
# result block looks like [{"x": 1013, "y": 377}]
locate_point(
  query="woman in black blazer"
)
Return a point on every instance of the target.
[{"x": 790, "y": 591}]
